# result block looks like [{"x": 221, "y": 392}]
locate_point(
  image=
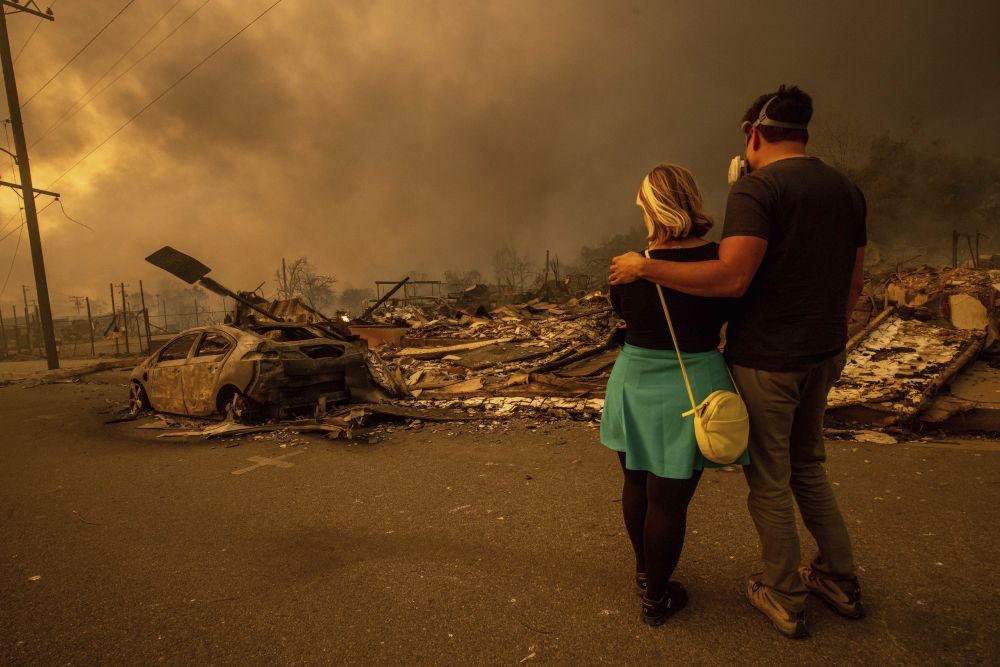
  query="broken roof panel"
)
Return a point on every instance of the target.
[{"x": 893, "y": 372}]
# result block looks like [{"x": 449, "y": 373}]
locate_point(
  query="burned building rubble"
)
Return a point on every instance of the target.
[
  {"x": 914, "y": 337},
  {"x": 445, "y": 359}
]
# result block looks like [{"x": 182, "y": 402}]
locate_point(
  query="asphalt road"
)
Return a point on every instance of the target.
[{"x": 444, "y": 545}]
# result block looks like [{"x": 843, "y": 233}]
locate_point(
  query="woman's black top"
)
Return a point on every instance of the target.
[{"x": 697, "y": 319}]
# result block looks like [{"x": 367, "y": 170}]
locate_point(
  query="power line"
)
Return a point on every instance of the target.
[
  {"x": 4, "y": 237},
  {"x": 25, "y": 45},
  {"x": 12, "y": 260},
  {"x": 69, "y": 112},
  {"x": 52, "y": 128},
  {"x": 66, "y": 215},
  {"x": 37, "y": 24},
  {"x": 21, "y": 227},
  {"x": 14, "y": 176},
  {"x": 77, "y": 54},
  {"x": 164, "y": 93},
  {"x": 10, "y": 220}
]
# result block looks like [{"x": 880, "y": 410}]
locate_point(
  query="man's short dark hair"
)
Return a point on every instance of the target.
[{"x": 792, "y": 106}]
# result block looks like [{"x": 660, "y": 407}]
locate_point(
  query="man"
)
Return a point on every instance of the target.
[{"x": 793, "y": 252}]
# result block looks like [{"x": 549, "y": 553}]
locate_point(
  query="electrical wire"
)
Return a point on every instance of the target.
[
  {"x": 77, "y": 54},
  {"x": 14, "y": 176},
  {"x": 24, "y": 46},
  {"x": 164, "y": 93},
  {"x": 10, "y": 220},
  {"x": 37, "y": 25},
  {"x": 12, "y": 260},
  {"x": 4, "y": 237},
  {"x": 10, "y": 269},
  {"x": 65, "y": 214},
  {"x": 72, "y": 109}
]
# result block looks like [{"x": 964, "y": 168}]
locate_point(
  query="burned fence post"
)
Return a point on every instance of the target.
[
  {"x": 27, "y": 320},
  {"x": 145, "y": 318},
  {"x": 3, "y": 337},
  {"x": 125, "y": 318},
  {"x": 954, "y": 248},
  {"x": 38, "y": 335},
  {"x": 90, "y": 326},
  {"x": 17, "y": 337},
  {"x": 979, "y": 235},
  {"x": 114, "y": 316},
  {"x": 975, "y": 259}
]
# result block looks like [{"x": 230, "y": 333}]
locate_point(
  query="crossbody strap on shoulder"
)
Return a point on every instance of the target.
[
  {"x": 677, "y": 348},
  {"x": 673, "y": 337}
]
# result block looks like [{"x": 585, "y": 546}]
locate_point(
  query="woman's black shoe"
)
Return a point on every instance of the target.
[
  {"x": 641, "y": 581},
  {"x": 656, "y": 612}
]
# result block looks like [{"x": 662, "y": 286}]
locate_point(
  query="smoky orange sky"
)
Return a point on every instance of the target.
[{"x": 380, "y": 138}]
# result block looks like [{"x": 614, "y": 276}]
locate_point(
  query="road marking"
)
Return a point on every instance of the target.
[{"x": 261, "y": 461}]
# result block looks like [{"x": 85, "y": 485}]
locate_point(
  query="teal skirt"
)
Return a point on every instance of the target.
[{"x": 643, "y": 406}]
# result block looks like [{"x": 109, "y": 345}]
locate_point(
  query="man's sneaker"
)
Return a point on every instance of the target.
[
  {"x": 844, "y": 597},
  {"x": 789, "y": 623},
  {"x": 656, "y": 612}
]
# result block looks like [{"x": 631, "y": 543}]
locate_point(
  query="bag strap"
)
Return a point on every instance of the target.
[{"x": 677, "y": 347}]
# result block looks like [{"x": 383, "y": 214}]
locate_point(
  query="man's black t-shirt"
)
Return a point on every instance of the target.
[
  {"x": 697, "y": 320},
  {"x": 794, "y": 312}
]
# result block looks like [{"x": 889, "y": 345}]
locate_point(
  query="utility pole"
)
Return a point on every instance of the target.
[{"x": 21, "y": 147}]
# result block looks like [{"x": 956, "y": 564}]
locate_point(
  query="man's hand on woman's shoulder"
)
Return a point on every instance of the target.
[{"x": 626, "y": 268}]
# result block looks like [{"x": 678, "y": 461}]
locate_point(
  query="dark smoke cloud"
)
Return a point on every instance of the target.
[{"x": 383, "y": 137}]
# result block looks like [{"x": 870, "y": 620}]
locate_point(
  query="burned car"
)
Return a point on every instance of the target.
[{"x": 251, "y": 373}]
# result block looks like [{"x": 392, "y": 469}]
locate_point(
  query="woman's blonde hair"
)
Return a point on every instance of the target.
[{"x": 671, "y": 205}]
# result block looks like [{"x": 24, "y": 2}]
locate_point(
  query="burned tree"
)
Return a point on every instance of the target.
[
  {"x": 300, "y": 279},
  {"x": 511, "y": 270}
]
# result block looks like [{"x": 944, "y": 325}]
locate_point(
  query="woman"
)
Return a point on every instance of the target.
[{"x": 646, "y": 395}]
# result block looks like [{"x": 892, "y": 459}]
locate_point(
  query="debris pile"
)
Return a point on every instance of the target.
[
  {"x": 448, "y": 359},
  {"x": 964, "y": 297},
  {"x": 523, "y": 351},
  {"x": 902, "y": 367},
  {"x": 897, "y": 368}
]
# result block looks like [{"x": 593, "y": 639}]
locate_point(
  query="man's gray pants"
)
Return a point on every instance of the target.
[{"x": 786, "y": 460}]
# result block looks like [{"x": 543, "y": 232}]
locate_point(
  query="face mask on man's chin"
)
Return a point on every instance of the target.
[{"x": 738, "y": 168}]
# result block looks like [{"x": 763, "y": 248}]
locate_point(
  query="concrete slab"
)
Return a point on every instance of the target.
[{"x": 974, "y": 399}]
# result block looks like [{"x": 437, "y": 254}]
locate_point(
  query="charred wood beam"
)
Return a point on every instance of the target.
[
  {"x": 870, "y": 327},
  {"x": 371, "y": 309}
]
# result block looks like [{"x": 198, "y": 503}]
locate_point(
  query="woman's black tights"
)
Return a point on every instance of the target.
[{"x": 655, "y": 510}]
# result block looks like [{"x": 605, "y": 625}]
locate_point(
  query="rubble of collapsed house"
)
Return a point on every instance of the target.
[
  {"x": 919, "y": 359},
  {"x": 919, "y": 356},
  {"x": 536, "y": 357},
  {"x": 927, "y": 360}
]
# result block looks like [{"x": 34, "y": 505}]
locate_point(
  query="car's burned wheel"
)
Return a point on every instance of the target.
[
  {"x": 138, "y": 401},
  {"x": 243, "y": 410}
]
